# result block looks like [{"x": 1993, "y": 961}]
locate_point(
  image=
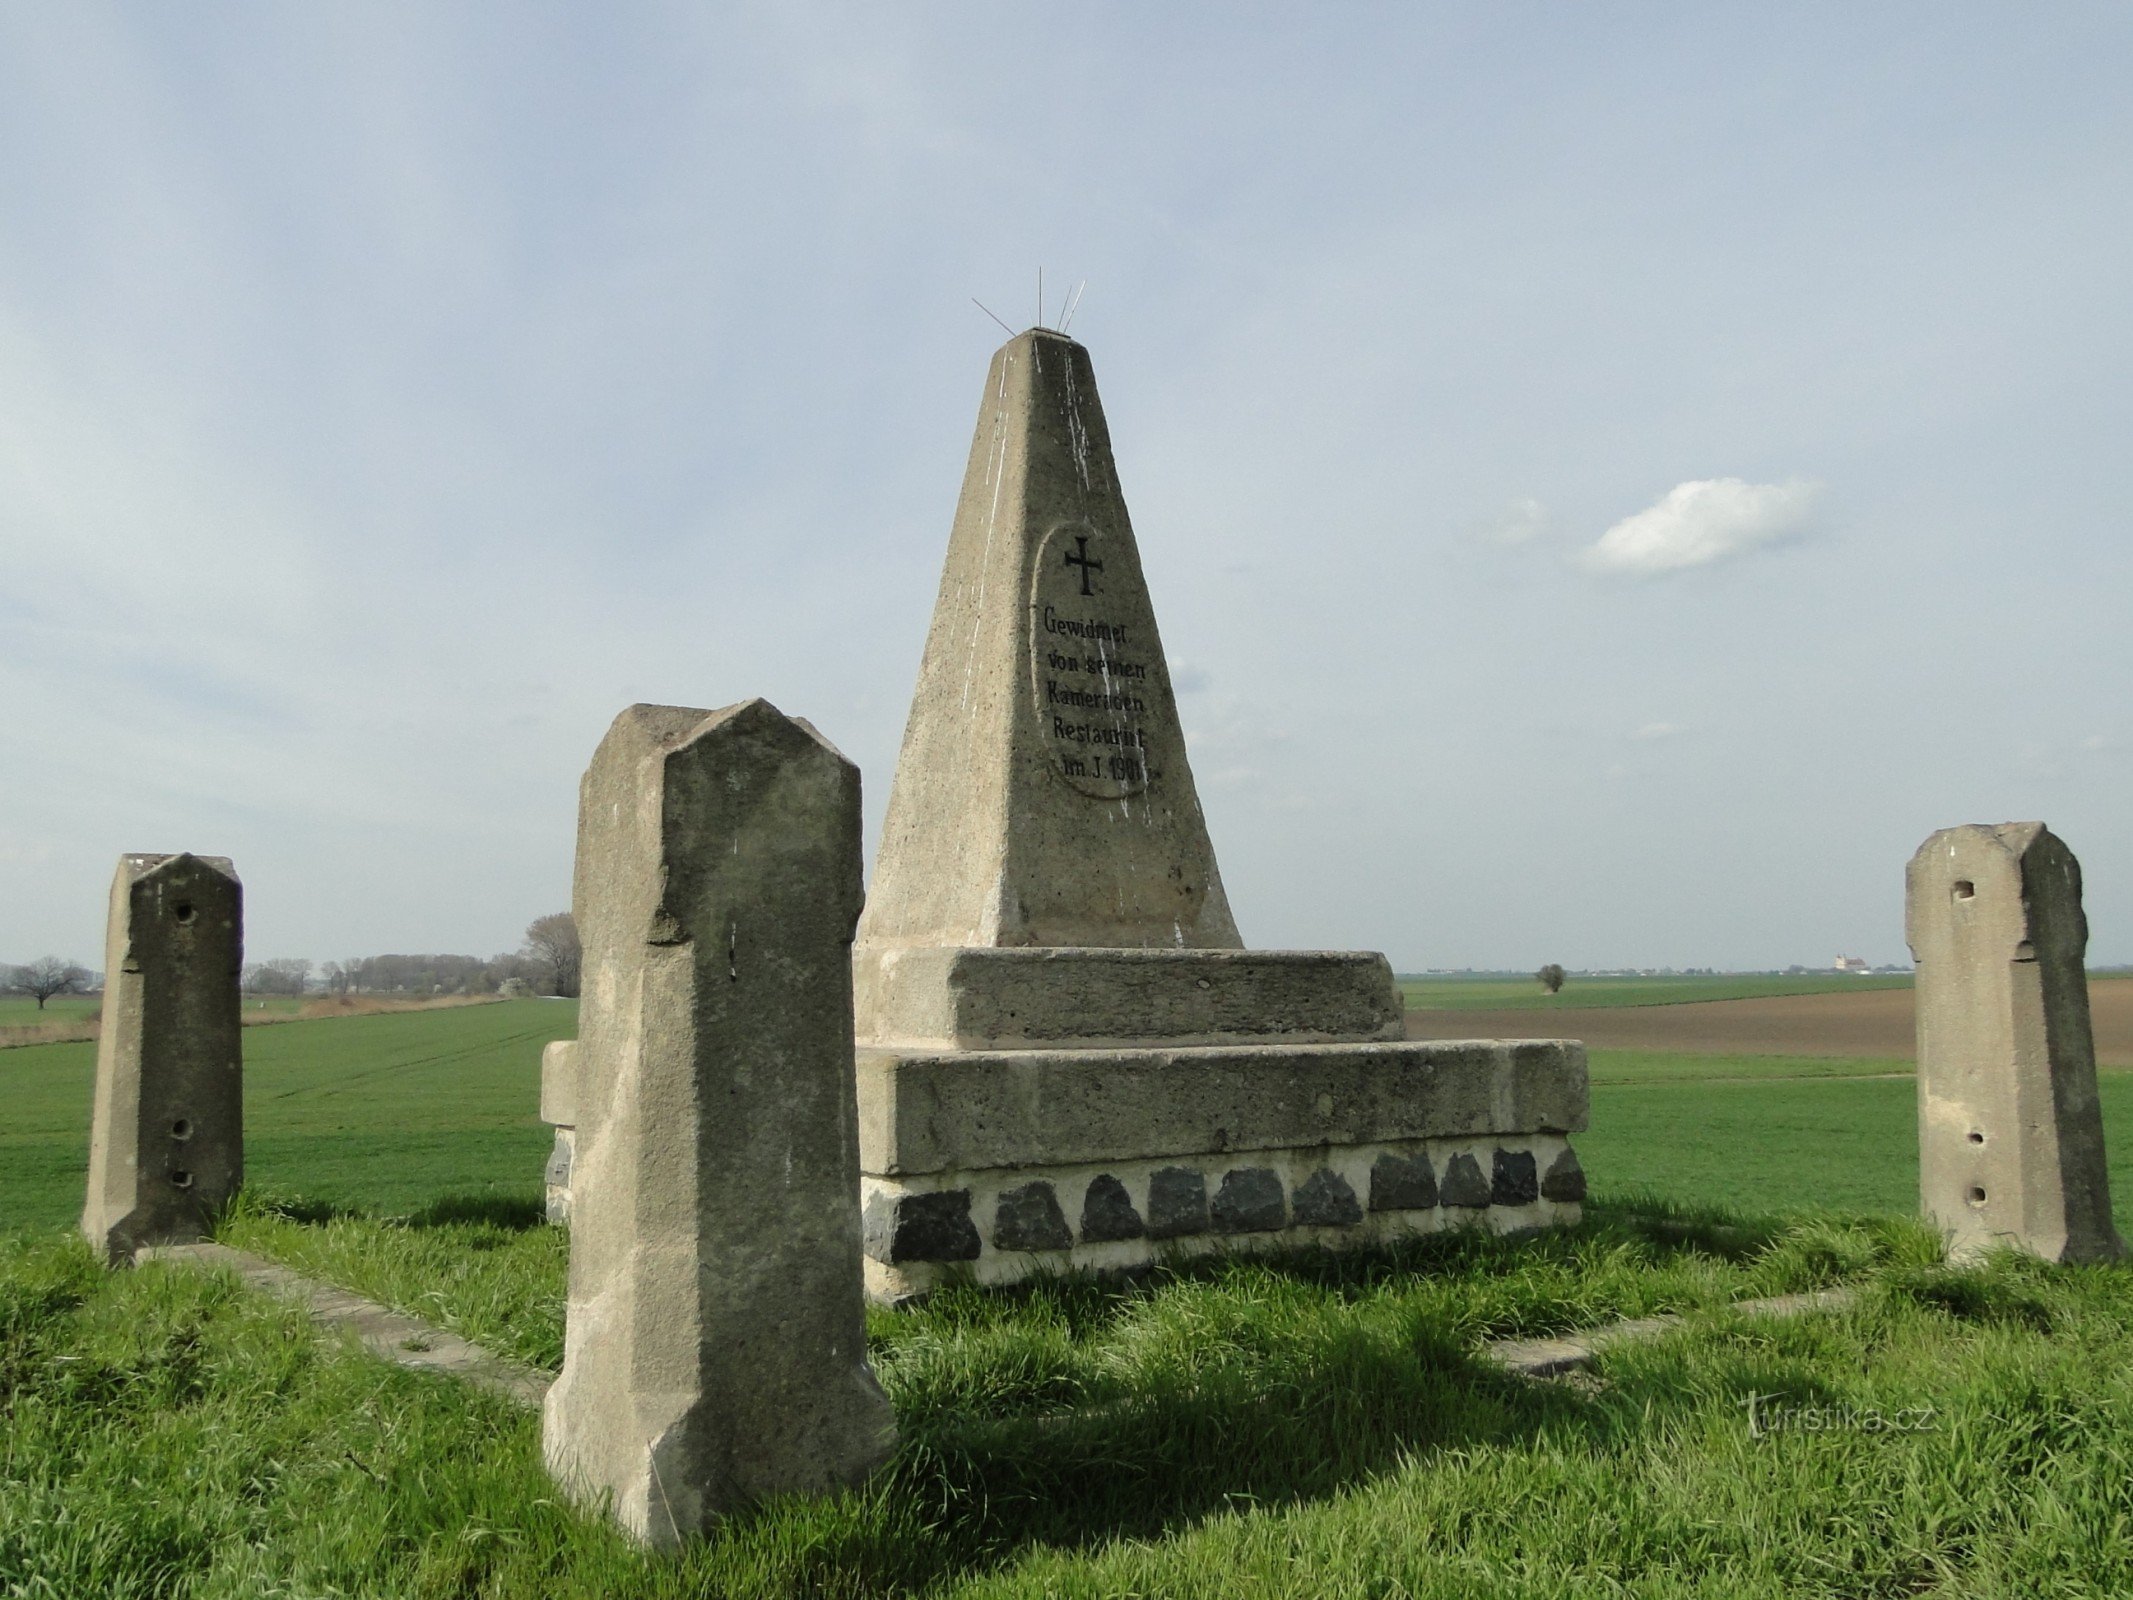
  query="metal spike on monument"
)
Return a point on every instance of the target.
[{"x": 1027, "y": 712}]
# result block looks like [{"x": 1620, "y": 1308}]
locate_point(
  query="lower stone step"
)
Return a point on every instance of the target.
[
  {"x": 999, "y": 1165},
  {"x": 1002, "y": 1225}
]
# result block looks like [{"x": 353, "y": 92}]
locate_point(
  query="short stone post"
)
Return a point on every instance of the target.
[
  {"x": 166, "y": 1143},
  {"x": 2010, "y": 1135},
  {"x": 715, "y": 1346}
]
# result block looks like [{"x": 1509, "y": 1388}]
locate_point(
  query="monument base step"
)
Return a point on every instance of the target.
[
  {"x": 1003, "y": 1226},
  {"x": 970, "y": 1110},
  {"x": 986, "y": 998},
  {"x": 994, "y": 1166}
]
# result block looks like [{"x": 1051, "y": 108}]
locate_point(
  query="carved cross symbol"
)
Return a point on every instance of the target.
[{"x": 1079, "y": 557}]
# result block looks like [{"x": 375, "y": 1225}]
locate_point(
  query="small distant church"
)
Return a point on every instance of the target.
[{"x": 1852, "y": 964}]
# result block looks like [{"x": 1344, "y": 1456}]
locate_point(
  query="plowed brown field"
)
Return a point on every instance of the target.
[{"x": 1874, "y": 1024}]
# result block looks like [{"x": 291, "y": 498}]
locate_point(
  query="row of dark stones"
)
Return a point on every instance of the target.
[{"x": 936, "y": 1226}]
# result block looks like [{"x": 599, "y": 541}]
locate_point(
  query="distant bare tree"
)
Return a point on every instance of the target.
[
  {"x": 552, "y": 943},
  {"x": 44, "y": 978},
  {"x": 285, "y": 976},
  {"x": 1551, "y": 978}
]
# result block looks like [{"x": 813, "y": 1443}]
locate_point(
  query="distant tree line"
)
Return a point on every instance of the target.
[{"x": 547, "y": 963}]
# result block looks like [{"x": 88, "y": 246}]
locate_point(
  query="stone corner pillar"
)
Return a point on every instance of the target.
[
  {"x": 166, "y": 1140},
  {"x": 715, "y": 1343},
  {"x": 2010, "y": 1133}
]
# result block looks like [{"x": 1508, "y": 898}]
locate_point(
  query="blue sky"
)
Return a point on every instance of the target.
[{"x": 1613, "y": 479}]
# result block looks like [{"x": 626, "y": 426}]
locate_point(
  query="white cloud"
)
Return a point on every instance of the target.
[
  {"x": 1702, "y": 521},
  {"x": 1521, "y": 522},
  {"x": 1656, "y": 730}
]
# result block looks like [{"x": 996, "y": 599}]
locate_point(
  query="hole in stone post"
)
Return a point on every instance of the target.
[
  {"x": 180, "y": 1179},
  {"x": 1977, "y": 1194},
  {"x": 1964, "y": 889},
  {"x": 1976, "y": 1137},
  {"x": 181, "y": 1129},
  {"x": 183, "y": 911}
]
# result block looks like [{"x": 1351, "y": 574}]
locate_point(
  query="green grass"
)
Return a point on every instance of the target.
[
  {"x": 1307, "y": 1428},
  {"x": 380, "y": 1111},
  {"x": 1497, "y": 992},
  {"x": 20, "y": 1011},
  {"x": 1848, "y": 1145}
]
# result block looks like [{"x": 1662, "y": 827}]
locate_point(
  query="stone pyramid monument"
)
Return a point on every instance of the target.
[
  {"x": 1044, "y": 796},
  {"x": 1066, "y": 1056}
]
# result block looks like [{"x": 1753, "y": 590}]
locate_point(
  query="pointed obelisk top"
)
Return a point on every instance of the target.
[{"x": 1043, "y": 795}]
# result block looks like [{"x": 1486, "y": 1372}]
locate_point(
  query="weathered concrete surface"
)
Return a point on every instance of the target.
[
  {"x": 166, "y": 1142},
  {"x": 555, "y": 1176},
  {"x": 999, "y": 1225},
  {"x": 2010, "y": 1134},
  {"x": 559, "y": 1083},
  {"x": 715, "y": 1347},
  {"x": 403, "y": 1340},
  {"x": 1043, "y": 796},
  {"x": 559, "y": 1109},
  {"x": 1004, "y": 999},
  {"x": 1573, "y": 1352},
  {"x": 1031, "y": 1108}
]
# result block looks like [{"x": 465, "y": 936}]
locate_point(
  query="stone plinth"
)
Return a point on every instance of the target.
[
  {"x": 2010, "y": 1133},
  {"x": 714, "y": 1351},
  {"x": 995, "y": 999},
  {"x": 998, "y": 1165},
  {"x": 166, "y": 1143}
]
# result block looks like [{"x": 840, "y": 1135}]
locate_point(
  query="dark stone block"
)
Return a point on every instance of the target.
[
  {"x": 1565, "y": 1180},
  {"x": 1029, "y": 1218},
  {"x": 1324, "y": 1200},
  {"x": 1177, "y": 1203},
  {"x": 1107, "y": 1213},
  {"x": 1402, "y": 1183},
  {"x": 921, "y": 1227},
  {"x": 1514, "y": 1178},
  {"x": 1249, "y": 1201},
  {"x": 1464, "y": 1185}
]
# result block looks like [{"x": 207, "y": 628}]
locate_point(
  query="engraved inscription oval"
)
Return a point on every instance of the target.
[{"x": 1093, "y": 661}]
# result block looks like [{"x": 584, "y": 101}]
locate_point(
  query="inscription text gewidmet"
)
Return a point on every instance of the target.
[{"x": 1093, "y": 698}]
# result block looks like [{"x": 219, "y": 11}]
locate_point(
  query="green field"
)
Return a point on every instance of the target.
[
  {"x": 20, "y": 1011},
  {"x": 382, "y": 1112},
  {"x": 1503, "y": 992},
  {"x": 1303, "y": 1426}
]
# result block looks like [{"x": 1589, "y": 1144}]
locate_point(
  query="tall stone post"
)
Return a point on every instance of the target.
[
  {"x": 2010, "y": 1135},
  {"x": 715, "y": 1347},
  {"x": 166, "y": 1143}
]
